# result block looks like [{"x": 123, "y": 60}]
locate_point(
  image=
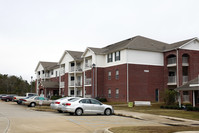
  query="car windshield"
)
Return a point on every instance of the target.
[{"x": 73, "y": 100}]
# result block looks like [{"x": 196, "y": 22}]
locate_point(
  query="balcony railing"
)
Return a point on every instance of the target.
[
  {"x": 172, "y": 79},
  {"x": 88, "y": 81},
  {"x": 62, "y": 71},
  {"x": 185, "y": 61},
  {"x": 185, "y": 79},
  {"x": 78, "y": 83},
  {"x": 172, "y": 60},
  {"x": 72, "y": 83},
  {"x": 62, "y": 84},
  {"x": 88, "y": 65},
  {"x": 78, "y": 68}
]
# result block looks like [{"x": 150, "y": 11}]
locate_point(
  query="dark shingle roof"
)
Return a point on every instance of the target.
[
  {"x": 75, "y": 54},
  {"x": 177, "y": 44},
  {"x": 49, "y": 65},
  {"x": 136, "y": 43},
  {"x": 187, "y": 85}
]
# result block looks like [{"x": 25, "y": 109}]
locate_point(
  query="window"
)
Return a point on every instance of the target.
[
  {"x": 85, "y": 101},
  {"x": 117, "y": 74},
  {"x": 71, "y": 92},
  {"x": 56, "y": 73},
  {"x": 116, "y": 93},
  {"x": 117, "y": 55},
  {"x": 42, "y": 71},
  {"x": 93, "y": 101},
  {"x": 109, "y": 93},
  {"x": 109, "y": 75},
  {"x": 110, "y": 57},
  {"x": 38, "y": 72},
  {"x": 52, "y": 72}
]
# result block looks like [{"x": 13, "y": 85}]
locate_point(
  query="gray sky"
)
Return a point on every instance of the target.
[{"x": 40, "y": 30}]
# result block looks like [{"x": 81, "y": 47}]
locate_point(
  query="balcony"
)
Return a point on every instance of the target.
[
  {"x": 78, "y": 83},
  {"x": 88, "y": 65},
  {"x": 185, "y": 61},
  {"x": 62, "y": 84},
  {"x": 171, "y": 62},
  {"x": 72, "y": 83},
  {"x": 185, "y": 79},
  {"x": 77, "y": 69},
  {"x": 62, "y": 71},
  {"x": 172, "y": 80},
  {"x": 87, "y": 81}
]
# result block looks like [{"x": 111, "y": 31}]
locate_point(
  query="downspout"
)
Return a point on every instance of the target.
[
  {"x": 177, "y": 63},
  {"x": 96, "y": 77},
  {"x": 127, "y": 78},
  {"x": 84, "y": 78}
]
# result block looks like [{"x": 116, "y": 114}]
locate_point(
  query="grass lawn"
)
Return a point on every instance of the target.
[
  {"x": 155, "y": 109},
  {"x": 152, "y": 129}
]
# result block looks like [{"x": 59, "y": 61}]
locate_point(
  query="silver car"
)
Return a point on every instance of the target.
[
  {"x": 86, "y": 106},
  {"x": 57, "y": 104}
]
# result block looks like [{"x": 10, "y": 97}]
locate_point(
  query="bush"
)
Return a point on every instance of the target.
[
  {"x": 55, "y": 97},
  {"x": 170, "y": 97},
  {"x": 101, "y": 99}
]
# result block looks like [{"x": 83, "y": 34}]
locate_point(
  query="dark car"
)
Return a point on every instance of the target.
[
  {"x": 1, "y": 95},
  {"x": 7, "y": 98}
]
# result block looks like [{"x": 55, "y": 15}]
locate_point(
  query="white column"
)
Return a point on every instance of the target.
[{"x": 194, "y": 104}]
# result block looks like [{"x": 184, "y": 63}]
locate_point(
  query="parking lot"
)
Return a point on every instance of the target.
[{"x": 18, "y": 118}]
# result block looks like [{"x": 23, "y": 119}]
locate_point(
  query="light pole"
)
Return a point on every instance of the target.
[{"x": 31, "y": 84}]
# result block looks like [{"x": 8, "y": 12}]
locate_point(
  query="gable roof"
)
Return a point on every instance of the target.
[
  {"x": 178, "y": 44},
  {"x": 46, "y": 65},
  {"x": 75, "y": 54},
  {"x": 187, "y": 86}
]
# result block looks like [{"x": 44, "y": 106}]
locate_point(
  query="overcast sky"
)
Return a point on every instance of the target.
[{"x": 40, "y": 30}]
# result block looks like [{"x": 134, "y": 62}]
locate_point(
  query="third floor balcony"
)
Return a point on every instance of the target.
[{"x": 171, "y": 62}]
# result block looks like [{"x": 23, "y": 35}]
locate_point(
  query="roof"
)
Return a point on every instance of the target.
[
  {"x": 177, "y": 44},
  {"x": 75, "y": 54},
  {"x": 50, "y": 84},
  {"x": 187, "y": 86},
  {"x": 47, "y": 65}
]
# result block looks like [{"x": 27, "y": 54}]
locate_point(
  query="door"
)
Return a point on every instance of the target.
[
  {"x": 97, "y": 106},
  {"x": 156, "y": 95}
]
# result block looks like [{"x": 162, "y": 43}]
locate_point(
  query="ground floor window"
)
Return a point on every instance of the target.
[
  {"x": 109, "y": 93},
  {"x": 116, "y": 93},
  {"x": 186, "y": 96}
]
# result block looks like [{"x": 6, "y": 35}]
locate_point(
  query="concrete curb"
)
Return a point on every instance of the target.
[{"x": 107, "y": 130}]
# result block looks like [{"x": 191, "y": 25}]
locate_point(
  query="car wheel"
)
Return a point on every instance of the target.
[
  {"x": 107, "y": 112},
  {"x": 7, "y": 100},
  {"x": 60, "y": 111},
  {"x": 78, "y": 111},
  {"x": 32, "y": 104}
]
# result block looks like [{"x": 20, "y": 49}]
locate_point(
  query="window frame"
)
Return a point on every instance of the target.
[
  {"x": 109, "y": 76},
  {"x": 117, "y": 92},
  {"x": 117, "y": 57},
  {"x": 110, "y": 57},
  {"x": 117, "y": 74},
  {"x": 109, "y": 92}
]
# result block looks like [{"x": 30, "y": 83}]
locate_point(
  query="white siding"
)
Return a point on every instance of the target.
[
  {"x": 67, "y": 58},
  {"x": 145, "y": 58},
  {"x": 194, "y": 45}
]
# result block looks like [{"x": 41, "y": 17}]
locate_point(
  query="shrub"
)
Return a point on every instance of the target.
[
  {"x": 55, "y": 97},
  {"x": 101, "y": 99},
  {"x": 170, "y": 97}
]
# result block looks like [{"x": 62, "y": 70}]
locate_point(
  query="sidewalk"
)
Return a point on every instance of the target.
[
  {"x": 4, "y": 124},
  {"x": 164, "y": 120}
]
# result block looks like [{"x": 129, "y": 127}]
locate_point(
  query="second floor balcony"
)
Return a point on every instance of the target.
[
  {"x": 87, "y": 81},
  {"x": 171, "y": 62},
  {"x": 172, "y": 80},
  {"x": 77, "y": 69}
]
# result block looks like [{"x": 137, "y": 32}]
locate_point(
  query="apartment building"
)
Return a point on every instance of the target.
[{"x": 137, "y": 68}]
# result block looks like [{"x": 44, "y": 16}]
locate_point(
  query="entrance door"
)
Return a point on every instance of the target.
[{"x": 156, "y": 95}]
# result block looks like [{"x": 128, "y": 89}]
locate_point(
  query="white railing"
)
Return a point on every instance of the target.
[
  {"x": 185, "y": 79},
  {"x": 87, "y": 81},
  {"x": 62, "y": 71},
  {"x": 184, "y": 59},
  {"x": 62, "y": 84},
  {"x": 78, "y": 83},
  {"x": 172, "y": 79},
  {"x": 88, "y": 65},
  {"x": 72, "y": 69},
  {"x": 186, "y": 98},
  {"x": 172, "y": 60},
  {"x": 72, "y": 83},
  {"x": 78, "y": 68}
]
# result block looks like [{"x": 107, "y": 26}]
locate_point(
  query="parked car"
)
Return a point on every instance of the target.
[
  {"x": 16, "y": 98},
  {"x": 57, "y": 104},
  {"x": 36, "y": 100},
  {"x": 81, "y": 106},
  {"x": 21, "y": 100},
  {"x": 7, "y": 98},
  {"x": 1, "y": 95}
]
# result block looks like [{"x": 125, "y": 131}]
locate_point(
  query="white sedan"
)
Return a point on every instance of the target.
[
  {"x": 81, "y": 106},
  {"x": 57, "y": 104}
]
